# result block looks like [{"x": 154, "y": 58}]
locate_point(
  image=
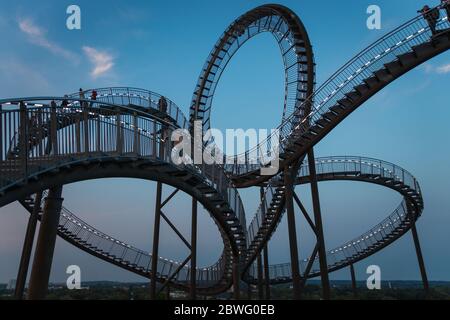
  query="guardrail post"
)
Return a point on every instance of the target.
[
  {"x": 45, "y": 247},
  {"x": 86, "y": 129},
  {"x": 119, "y": 132},
  {"x": 136, "y": 134},
  {"x": 54, "y": 128},
  {"x": 296, "y": 280},
  {"x": 319, "y": 228},
  {"x": 23, "y": 143}
]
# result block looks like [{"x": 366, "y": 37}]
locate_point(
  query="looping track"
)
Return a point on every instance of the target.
[{"x": 44, "y": 143}]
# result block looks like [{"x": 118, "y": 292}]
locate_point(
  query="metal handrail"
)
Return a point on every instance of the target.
[{"x": 362, "y": 66}]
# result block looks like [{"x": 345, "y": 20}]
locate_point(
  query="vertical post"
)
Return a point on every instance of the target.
[
  {"x": 27, "y": 248},
  {"x": 236, "y": 278},
  {"x": 86, "y": 129},
  {"x": 119, "y": 133},
  {"x": 1, "y": 133},
  {"x": 266, "y": 251},
  {"x": 23, "y": 143},
  {"x": 319, "y": 227},
  {"x": 45, "y": 247},
  {"x": 54, "y": 129},
  {"x": 266, "y": 271},
  {"x": 193, "y": 287},
  {"x": 260, "y": 277},
  {"x": 423, "y": 271},
  {"x": 156, "y": 240},
  {"x": 354, "y": 288},
  {"x": 296, "y": 280}
]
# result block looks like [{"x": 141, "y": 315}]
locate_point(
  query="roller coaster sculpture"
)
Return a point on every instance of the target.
[{"x": 47, "y": 142}]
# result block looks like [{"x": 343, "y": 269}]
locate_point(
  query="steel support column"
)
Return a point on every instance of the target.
[
  {"x": 266, "y": 251},
  {"x": 354, "y": 288},
  {"x": 260, "y": 277},
  {"x": 236, "y": 278},
  {"x": 296, "y": 279},
  {"x": 423, "y": 271},
  {"x": 45, "y": 247},
  {"x": 27, "y": 248},
  {"x": 266, "y": 271},
  {"x": 193, "y": 288},
  {"x": 156, "y": 228},
  {"x": 319, "y": 227}
]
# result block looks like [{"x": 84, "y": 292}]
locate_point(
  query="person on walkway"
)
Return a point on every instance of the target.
[
  {"x": 162, "y": 104},
  {"x": 432, "y": 17},
  {"x": 93, "y": 96},
  {"x": 445, "y": 4}
]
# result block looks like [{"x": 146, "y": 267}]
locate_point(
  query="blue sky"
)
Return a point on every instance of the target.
[{"x": 161, "y": 46}]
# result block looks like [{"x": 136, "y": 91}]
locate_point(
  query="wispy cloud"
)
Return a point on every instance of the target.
[
  {"x": 37, "y": 36},
  {"x": 102, "y": 61},
  {"x": 442, "y": 69}
]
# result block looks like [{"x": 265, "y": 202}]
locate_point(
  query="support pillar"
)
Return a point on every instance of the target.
[
  {"x": 354, "y": 288},
  {"x": 423, "y": 272},
  {"x": 260, "y": 277},
  {"x": 296, "y": 280},
  {"x": 45, "y": 247},
  {"x": 193, "y": 288},
  {"x": 236, "y": 278},
  {"x": 27, "y": 248},
  {"x": 156, "y": 228},
  {"x": 319, "y": 227},
  {"x": 266, "y": 271}
]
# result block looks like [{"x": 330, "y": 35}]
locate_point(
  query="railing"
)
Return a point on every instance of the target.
[
  {"x": 362, "y": 66},
  {"x": 113, "y": 249},
  {"x": 341, "y": 166},
  {"x": 92, "y": 131},
  {"x": 126, "y": 96}
]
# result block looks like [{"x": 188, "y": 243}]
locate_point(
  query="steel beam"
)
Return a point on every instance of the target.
[
  {"x": 266, "y": 272},
  {"x": 423, "y": 272},
  {"x": 354, "y": 288},
  {"x": 296, "y": 280},
  {"x": 27, "y": 248},
  {"x": 193, "y": 287},
  {"x": 45, "y": 247},
  {"x": 236, "y": 278},
  {"x": 260, "y": 277},
  {"x": 319, "y": 227},
  {"x": 156, "y": 228},
  {"x": 266, "y": 251}
]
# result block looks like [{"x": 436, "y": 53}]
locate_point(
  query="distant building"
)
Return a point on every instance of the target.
[{"x": 11, "y": 284}]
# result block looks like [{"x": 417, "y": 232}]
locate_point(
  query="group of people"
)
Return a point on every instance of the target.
[{"x": 432, "y": 15}]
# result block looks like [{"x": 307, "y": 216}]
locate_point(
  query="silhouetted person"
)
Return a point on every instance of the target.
[
  {"x": 432, "y": 17},
  {"x": 81, "y": 92},
  {"x": 65, "y": 102},
  {"x": 162, "y": 104},
  {"x": 446, "y": 5},
  {"x": 93, "y": 96}
]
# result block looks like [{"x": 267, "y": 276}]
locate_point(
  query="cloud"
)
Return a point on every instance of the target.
[
  {"x": 37, "y": 36},
  {"x": 443, "y": 69},
  {"x": 101, "y": 60}
]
